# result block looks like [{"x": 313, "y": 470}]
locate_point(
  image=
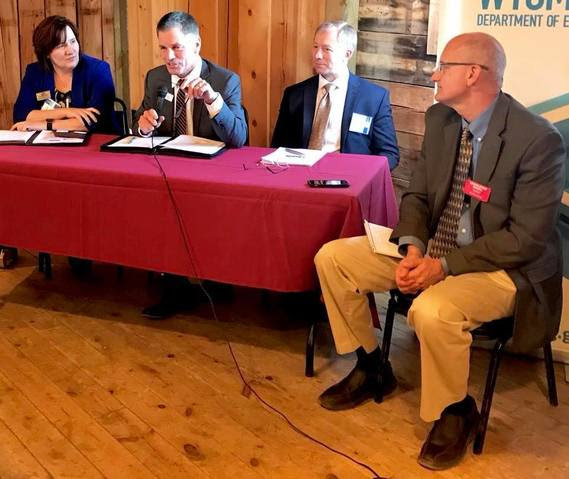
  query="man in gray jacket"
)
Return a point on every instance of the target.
[{"x": 478, "y": 234}]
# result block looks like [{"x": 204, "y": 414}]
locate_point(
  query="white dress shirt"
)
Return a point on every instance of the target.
[{"x": 212, "y": 109}]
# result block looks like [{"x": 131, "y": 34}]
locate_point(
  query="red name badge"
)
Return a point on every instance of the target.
[{"x": 476, "y": 190}]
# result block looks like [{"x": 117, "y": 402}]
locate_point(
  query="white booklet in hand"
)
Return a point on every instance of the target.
[{"x": 378, "y": 237}]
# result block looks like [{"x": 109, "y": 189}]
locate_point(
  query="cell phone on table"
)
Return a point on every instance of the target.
[
  {"x": 328, "y": 183},
  {"x": 69, "y": 134}
]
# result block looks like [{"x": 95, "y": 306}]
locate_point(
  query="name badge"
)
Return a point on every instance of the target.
[
  {"x": 360, "y": 123},
  {"x": 169, "y": 97},
  {"x": 476, "y": 190},
  {"x": 49, "y": 104},
  {"x": 43, "y": 95}
]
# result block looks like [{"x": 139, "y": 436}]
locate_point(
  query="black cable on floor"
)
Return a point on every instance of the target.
[{"x": 294, "y": 427}]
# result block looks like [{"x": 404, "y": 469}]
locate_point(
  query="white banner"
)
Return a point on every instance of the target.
[{"x": 535, "y": 36}]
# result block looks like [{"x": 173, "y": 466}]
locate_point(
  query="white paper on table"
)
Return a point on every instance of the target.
[
  {"x": 139, "y": 142},
  {"x": 47, "y": 136},
  {"x": 297, "y": 156},
  {"x": 195, "y": 144},
  {"x": 378, "y": 237},
  {"x": 15, "y": 136}
]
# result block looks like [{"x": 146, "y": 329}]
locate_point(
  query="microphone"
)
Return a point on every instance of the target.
[{"x": 160, "y": 96}]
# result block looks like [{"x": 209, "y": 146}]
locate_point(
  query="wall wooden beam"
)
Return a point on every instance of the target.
[
  {"x": 31, "y": 13},
  {"x": 9, "y": 60},
  {"x": 212, "y": 16},
  {"x": 90, "y": 21},
  {"x": 65, "y": 8}
]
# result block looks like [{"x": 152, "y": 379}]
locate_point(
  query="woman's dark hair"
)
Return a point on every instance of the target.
[{"x": 48, "y": 34}]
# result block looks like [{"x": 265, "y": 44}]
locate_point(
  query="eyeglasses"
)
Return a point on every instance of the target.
[
  {"x": 274, "y": 168},
  {"x": 442, "y": 66}
]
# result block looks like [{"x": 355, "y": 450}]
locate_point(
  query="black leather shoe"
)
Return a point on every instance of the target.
[
  {"x": 357, "y": 387},
  {"x": 448, "y": 440}
]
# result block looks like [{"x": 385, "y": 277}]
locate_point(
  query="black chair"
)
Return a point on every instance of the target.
[
  {"x": 121, "y": 115},
  {"x": 44, "y": 264},
  {"x": 499, "y": 330},
  {"x": 247, "y": 123}
]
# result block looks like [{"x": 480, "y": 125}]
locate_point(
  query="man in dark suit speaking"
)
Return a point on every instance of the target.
[
  {"x": 336, "y": 110},
  {"x": 188, "y": 95},
  {"x": 478, "y": 234},
  {"x": 192, "y": 95}
]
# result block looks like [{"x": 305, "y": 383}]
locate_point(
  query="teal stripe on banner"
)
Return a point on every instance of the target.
[{"x": 550, "y": 104}]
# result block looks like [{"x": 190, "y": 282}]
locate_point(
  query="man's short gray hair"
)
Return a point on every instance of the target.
[
  {"x": 182, "y": 20},
  {"x": 347, "y": 34}
]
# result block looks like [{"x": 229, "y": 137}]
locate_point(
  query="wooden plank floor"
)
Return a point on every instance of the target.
[{"x": 88, "y": 388}]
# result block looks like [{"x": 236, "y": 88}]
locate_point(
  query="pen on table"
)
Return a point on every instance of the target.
[{"x": 294, "y": 152}]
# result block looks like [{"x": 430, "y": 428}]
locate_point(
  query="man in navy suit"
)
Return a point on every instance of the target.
[{"x": 359, "y": 116}]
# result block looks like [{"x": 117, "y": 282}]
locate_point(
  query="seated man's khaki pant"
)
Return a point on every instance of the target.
[{"x": 442, "y": 315}]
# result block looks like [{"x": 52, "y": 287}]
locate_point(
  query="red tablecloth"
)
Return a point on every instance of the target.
[{"x": 245, "y": 225}]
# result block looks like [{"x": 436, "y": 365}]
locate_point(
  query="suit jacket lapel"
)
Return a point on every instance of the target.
[
  {"x": 309, "y": 104},
  {"x": 451, "y": 139},
  {"x": 351, "y": 95},
  {"x": 492, "y": 145}
]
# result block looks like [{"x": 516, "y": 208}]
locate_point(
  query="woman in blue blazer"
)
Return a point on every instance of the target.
[{"x": 64, "y": 89}]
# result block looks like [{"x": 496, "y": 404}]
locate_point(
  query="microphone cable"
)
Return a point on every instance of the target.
[{"x": 247, "y": 385}]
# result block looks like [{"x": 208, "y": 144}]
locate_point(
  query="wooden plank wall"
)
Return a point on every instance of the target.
[
  {"x": 392, "y": 42},
  {"x": 97, "y": 24},
  {"x": 273, "y": 41},
  {"x": 9, "y": 60}
]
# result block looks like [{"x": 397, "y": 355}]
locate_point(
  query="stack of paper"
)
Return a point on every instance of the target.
[
  {"x": 378, "y": 237},
  {"x": 288, "y": 156},
  {"x": 195, "y": 144},
  {"x": 15, "y": 137},
  {"x": 139, "y": 142},
  {"x": 47, "y": 137}
]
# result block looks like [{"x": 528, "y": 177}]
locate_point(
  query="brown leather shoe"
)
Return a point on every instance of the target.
[
  {"x": 357, "y": 387},
  {"x": 450, "y": 436}
]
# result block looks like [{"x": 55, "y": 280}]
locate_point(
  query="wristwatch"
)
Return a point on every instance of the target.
[{"x": 49, "y": 123}]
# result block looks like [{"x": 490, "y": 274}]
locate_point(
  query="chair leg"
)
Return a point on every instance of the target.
[
  {"x": 387, "y": 331},
  {"x": 310, "y": 345},
  {"x": 488, "y": 394},
  {"x": 373, "y": 311},
  {"x": 550, "y": 372},
  {"x": 44, "y": 264}
]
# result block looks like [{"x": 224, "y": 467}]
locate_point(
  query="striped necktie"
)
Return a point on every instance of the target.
[
  {"x": 181, "y": 125},
  {"x": 321, "y": 120},
  {"x": 447, "y": 228}
]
